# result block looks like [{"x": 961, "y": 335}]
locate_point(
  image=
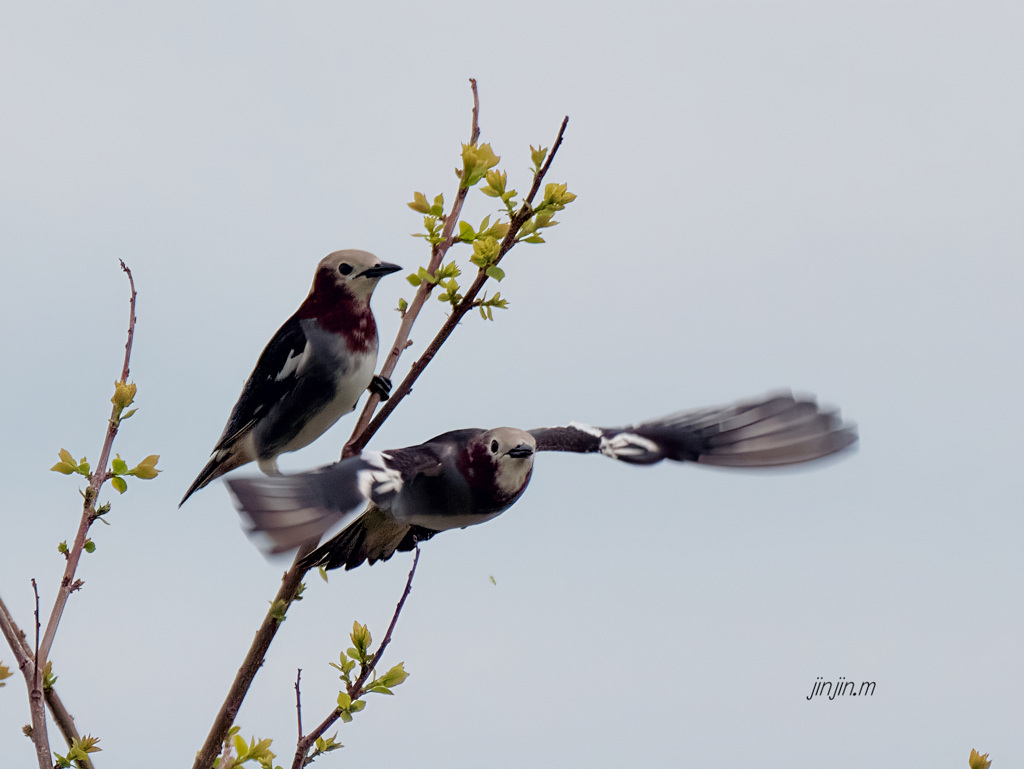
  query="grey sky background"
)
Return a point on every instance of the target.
[{"x": 824, "y": 196}]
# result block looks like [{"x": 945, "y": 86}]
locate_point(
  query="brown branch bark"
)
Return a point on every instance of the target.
[
  {"x": 36, "y": 703},
  {"x": 298, "y": 700}
]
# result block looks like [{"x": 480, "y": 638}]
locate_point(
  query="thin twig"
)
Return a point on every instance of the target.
[
  {"x": 355, "y": 689},
  {"x": 96, "y": 480},
  {"x": 15, "y": 638},
  {"x": 35, "y": 699},
  {"x": 437, "y": 254},
  {"x": 37, "y": 683},
  {"x": 131, "y": 323},
  {"x": 358, "y": 441},
  {"x": 298, "y": 700}
]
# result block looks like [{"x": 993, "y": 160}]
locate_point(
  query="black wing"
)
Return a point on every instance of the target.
[
  {"x": 272, "y": 379},
  {"x": 779, "y": 429},
  {"x": 376, "y": 536}
]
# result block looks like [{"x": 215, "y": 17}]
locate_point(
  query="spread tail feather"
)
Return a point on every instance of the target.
[{"x": 287, "y": 511}]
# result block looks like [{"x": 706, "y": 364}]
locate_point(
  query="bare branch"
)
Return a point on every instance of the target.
[
  {"x": 96, "y": 481},
  {"x": 34, "y": 679},
  {"x": 298, "y": 701},
  {"x": 37, "y": 675},
  {"x": 131, "y": 322}
]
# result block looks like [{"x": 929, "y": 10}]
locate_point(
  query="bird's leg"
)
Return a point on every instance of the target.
[
  {"x": 268, "y": 466},
  {"x": 381, "y": 386}
]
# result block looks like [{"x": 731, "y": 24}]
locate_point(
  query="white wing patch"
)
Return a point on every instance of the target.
[
  {"x": 293, "y": 363},
  {"x": 375, "y": 458},
  {"x": 374, "y": 484},
  {"x": 627, "y": 445},
  {"x": 585, "y": 428}
]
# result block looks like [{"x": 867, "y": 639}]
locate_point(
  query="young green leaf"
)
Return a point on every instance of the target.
[
  {"x": 67, "y": 464},
  {"x": 49, "y": 679},
  {"x": 119, "y": 483},
  {"x": 279, "y": 609},
  {"x": 466, "y": 232},
  {"x": 84, "y": 747},
  {"x": 477, "y": 160},
  {"x": 394, "y": 677},
  {"x": 146, "y": 469},
  {"x": 538, "y": 155},
  {"x": 327, "y": 744},
  {"x": 124, "y": 394},
  {"x": 438, "y": 208},
  {"x": 419, "y": 203}
]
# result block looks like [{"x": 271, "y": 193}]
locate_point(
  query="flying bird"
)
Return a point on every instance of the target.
[
  {"x": 382, "y": 502},
  {"x": 311, "y": 373}
]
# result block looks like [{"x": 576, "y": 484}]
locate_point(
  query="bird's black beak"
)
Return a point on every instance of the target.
[
  {"x": 521, "y": 451},
  {"x": 382, "y": 269}
]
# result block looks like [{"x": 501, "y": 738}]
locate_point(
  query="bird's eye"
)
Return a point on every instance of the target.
[
  {"x": 344, "y": 269},
  {"x": 494, "y": 447}
]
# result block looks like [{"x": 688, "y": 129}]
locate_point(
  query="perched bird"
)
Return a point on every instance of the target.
[
  {"x": 310, "y": 374},
  {"x": 382, "y": 502}
]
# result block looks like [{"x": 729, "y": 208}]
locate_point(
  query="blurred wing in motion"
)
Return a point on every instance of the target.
[{"x": 779, "y": 429}]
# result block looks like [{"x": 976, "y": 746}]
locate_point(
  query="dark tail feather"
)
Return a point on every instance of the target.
[{"x": 221, "y": 462}]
